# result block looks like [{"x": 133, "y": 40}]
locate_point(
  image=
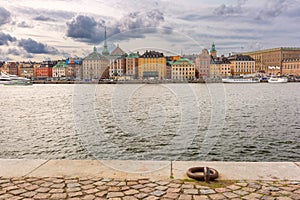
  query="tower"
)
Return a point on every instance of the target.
[
  {"x": 213, "y": 51},
  {"x": 105, "y": 51}
]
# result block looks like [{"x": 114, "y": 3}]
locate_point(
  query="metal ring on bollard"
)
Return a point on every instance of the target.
[{"x": 208, "y": 173}]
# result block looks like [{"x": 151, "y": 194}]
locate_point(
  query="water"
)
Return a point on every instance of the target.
[{"x": 213, "y": 122}]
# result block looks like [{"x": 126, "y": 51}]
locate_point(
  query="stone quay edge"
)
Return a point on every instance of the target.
[{"x": 138, "y": 169}]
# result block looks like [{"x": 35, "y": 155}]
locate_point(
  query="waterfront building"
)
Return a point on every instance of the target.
[
  {"x": 117, "y": 62},
  {"x": 132, "y": 65},
  {"x": 60, "y": 69},
  {"x": 152, "y": 65},
  {"x": 291, "y": 67},
  {"x": 183, "y": 69},
  {"x": 219, "y": 67},
  {"x": 242, "y": 65},
  {"x": 202, "y": 63},
  {"x": 267, "y": 60},
  {"x": 27, "y": 69},
  {"x": 13, "y": 68},
  {"x": 74, "y": 68},
  {"x": 95, "y": 66},
  {"x": 44, "y": 70}
]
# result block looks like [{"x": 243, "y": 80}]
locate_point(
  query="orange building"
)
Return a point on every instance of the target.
[
  {"x": 291, "y": 67},
  {"x": 132, "y": 65}
]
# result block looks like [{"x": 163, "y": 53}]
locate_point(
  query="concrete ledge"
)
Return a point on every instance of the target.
[
  {"x": 15, "y": 167},
  {"x": 147, "y": 169},
  {"x": 243, "y": 170}
]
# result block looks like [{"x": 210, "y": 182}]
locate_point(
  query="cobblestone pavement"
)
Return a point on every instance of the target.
[{"x": 115, "y": 189}]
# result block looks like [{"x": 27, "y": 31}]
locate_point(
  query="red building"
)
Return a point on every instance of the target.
[
  {"x": 13, "y": 68},
  {"x": 43, "y": 72}
]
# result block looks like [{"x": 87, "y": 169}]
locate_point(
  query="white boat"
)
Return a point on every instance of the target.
[
  {"x": 9, "y": 79},
  {"x": 240, "y": 80},
  {"x": 278, "y": 80}
]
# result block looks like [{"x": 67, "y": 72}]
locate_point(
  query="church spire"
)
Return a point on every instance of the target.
[{"x": 105, "y": 51}]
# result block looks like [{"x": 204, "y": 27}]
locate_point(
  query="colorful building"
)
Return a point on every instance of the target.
[
  {"x": 132, "y": 65},
  {"x": 13, "y": 68},
  {"x": 152, "y": 65},
  {"x": 202, "y": 64},
  {"x": 60, "y": 70},
  {"x": 219, "y": 67},
  {"x": 183, "y": 69},
  {"x": 27, "y": 69},
  {"x": 117, "y": 62},
  {"x": 242, "y": 65}
]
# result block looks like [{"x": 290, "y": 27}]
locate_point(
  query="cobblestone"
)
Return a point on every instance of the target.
[{"x": 84, "y": 188}]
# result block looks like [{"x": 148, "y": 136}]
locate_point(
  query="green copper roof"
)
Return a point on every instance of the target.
[
  {"x": 133, "y": 55},
  {"x": 183, "y": 60},
  {"x": 61, "y": 64},
  {"x": 213, "y": 48},
  {"x": 94, "y": 56}
]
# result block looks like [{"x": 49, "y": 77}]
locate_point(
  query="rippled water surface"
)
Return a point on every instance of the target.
[{"x": 234, "y": 122}]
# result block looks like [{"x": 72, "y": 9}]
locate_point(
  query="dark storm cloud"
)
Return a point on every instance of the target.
[
  {"x": 14, "y": 51},
  {"x": 4, "y": 16},
  {"x": 133, "y": 25},
  {"x": 32, "y": 46},
  {"x": 43, "y": 18},
  {"x": 5, "y": 38},
  {"x": 230, "y": 9},
  {"x": 86, "y": 29},
  {"x": 272, "y": 9}
]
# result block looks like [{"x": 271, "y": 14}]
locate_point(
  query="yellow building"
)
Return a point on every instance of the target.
[
  {"x": 219, "y": 67},
  {"x": 27, "y": 69},
  {"x": 291, "y": 67},
  {"x": 152, "y": 65},
  {"x": 273, "y": 57},
  {"x": 183, "y": 69},
  {"x": 242, "y": 64}
]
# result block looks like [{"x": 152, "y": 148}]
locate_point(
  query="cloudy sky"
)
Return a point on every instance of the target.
[{"x": 56, "y": 29}]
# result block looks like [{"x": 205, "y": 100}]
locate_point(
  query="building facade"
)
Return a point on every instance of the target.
[
  {"x": 60, "y": 70},
  {"x": 242, "y": 65},
  {"x": 291, "y": 67},
  {"x": 152, "y": 65},
  {"x": 219, "y": 67},
  {"x": 27, "y": 69},
  {"x": 132, "y": 65},
  {"x": 183, "y": 69},
  {"x": 273, "y": 57},
  {"x": 13, "y": 68},
  {"x": 202, "y": 64},
  {"x": 117, "y": 65},
  {"x": 95, "y": 66}
]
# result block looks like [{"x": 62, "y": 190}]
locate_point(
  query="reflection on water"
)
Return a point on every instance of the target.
[{"x": 151, "y": 122}]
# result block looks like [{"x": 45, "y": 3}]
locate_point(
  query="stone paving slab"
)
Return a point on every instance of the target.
[
  {"x": 123, "y": 189},
  {"x": 17, "y": 167},
  {"x": 109, "y": 168},
  {"x": 243, "y": 170}
]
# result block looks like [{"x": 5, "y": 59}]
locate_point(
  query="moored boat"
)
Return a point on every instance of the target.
[
  {"x": 240, "y": 80},
  {"x": 278, "y": 80}
]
